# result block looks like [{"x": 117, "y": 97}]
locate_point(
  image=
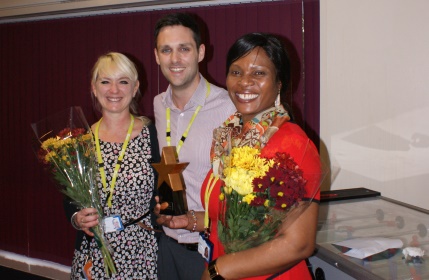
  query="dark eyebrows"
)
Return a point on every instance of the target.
[
  {"x": 186, "y": 45},
  {"x": 181, "y": 45}
]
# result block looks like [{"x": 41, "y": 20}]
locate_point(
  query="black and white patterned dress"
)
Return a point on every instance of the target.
[{"x": 135, "y": 248}]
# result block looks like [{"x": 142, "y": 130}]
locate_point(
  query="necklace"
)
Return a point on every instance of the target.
[
  {"x": 118, "y": 161},
  {"x": 185, "y": 134}
]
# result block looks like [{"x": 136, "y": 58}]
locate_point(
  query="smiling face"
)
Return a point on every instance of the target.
[
  {"x": 114, "y": 90},
  {"x": 252, "y": 83},
  {"x": 116, "y": 223},
  {"x": 178, "y": 56}
]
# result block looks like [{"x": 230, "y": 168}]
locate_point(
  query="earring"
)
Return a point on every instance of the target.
[{"x": 277, "y": 102}]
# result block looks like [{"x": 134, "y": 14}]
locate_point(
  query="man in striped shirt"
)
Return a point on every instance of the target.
[{"x": 193, "y": 107}]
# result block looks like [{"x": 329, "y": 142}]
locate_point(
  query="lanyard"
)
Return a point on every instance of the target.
[
  {"x": 185, "y": 134},
  {"x": 118, "y": 161},
  {"x": 210, "y": 186}
]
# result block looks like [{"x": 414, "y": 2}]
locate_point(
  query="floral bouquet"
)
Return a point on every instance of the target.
[
  {"x": 66, "y": 148},
  {"x": 260, "y": 193}
]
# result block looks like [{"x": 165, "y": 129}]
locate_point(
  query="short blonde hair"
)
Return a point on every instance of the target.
[{"x": 111, "y": 64}]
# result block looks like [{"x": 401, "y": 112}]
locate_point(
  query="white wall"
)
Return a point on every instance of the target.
[{"x": 375, "y": 96}]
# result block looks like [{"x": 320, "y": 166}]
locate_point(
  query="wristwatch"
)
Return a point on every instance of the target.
[{"x": 214, "y": 274}]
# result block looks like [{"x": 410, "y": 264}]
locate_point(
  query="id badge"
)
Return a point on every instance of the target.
[
  {"x": 113, "y": 223},
  {"x": 205, "y": 247}
]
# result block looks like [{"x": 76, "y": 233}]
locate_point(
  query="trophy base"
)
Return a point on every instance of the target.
[{"x": 172, "y": 202}]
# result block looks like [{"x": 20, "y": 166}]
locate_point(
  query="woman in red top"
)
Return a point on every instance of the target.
[{"x": 257, "y": 74}]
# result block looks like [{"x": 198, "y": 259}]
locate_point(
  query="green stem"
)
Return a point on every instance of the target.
[{"x": 109, "y": 265}]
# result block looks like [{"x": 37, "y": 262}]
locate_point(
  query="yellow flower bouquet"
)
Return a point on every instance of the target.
[
  {"x": 257, "y": 196},
  {"x": 66, "y": 148}
]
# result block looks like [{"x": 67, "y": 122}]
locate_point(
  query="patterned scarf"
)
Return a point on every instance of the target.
[{"x": 254, "y": 133}]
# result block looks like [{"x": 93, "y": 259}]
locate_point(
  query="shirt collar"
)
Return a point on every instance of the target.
[{"x": 197, "y": 99}]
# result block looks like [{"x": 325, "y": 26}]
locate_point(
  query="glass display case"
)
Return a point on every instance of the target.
[{"x": 342, "y": 218}]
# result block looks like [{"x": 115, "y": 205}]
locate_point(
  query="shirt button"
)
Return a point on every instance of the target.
[{"x": 182, "y": 114}]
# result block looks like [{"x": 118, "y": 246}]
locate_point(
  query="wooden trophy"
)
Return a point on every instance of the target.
[{"x": 171, "y": 186}]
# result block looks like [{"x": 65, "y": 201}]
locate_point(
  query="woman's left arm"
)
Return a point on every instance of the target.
[{"x": 295, "y": 242}]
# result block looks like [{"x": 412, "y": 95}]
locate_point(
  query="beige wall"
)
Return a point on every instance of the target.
[{"x": 375, "y": 96}]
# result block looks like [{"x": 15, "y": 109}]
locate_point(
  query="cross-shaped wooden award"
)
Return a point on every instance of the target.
[{"x": 171, "y": 186}]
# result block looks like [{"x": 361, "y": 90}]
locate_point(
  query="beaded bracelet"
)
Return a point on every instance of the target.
[
  {"x": 194, "y": 227},
  {"x": 73, "y": 222}
]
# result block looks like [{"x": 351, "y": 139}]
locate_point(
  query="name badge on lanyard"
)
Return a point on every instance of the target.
[
  {"x": 113, "y": 223},
  {"x": 205, "y": 247}
]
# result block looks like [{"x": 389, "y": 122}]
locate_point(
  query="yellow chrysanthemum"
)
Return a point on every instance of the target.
[
  {"x": 87, "y": 137},
  {"x": 48, "y": 142},
  {"x": 227, "y": 190},
  {"x": 244, "y": 157},
  {"x": 248, "y": 158},
  {"x": 267, "y": 203},
  {"x": 245, "y": 165},
  {"x": 221, "y": 197},
  {"x": 240, "y": 180},
  {"x": 50, "y": 156},
  {"x": 62, "y": 143},
  {"x": 249, "y": 198}
]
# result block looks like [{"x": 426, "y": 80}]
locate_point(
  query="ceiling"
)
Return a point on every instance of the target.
[{"x": 22, "y": 10}]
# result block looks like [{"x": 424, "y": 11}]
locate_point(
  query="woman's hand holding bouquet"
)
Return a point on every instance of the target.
[
  {"x": 257, "y": 195},
  {"x": 66, "y": 148}
]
